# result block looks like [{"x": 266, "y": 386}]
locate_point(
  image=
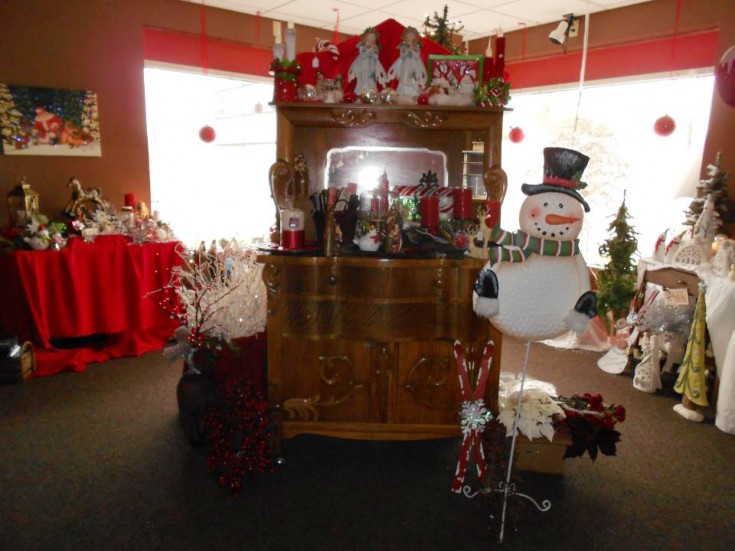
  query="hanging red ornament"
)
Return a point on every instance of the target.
[
  {"x": 207, "y": 134},
  {"x": 725, "y": 76},
  {"x": 516, "y": 134},
  {"x": 664, "y": 126}
]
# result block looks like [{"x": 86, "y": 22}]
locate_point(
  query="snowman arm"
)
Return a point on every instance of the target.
[{"x": 586, "y": 308}]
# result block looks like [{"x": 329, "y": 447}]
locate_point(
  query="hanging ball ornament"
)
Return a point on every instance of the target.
[
  {"x": 349, "y": 97},
  {"x": 207, "y": 134},
  {"x": 725, "y": 76},
  {"x": 516, "y": 134},
  {"x": 664, "y": 126},
  {"x": 423, "y": 99}
]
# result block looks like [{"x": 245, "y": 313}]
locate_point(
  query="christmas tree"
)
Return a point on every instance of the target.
[
  {"x": 716, "y": 187},
  {"x": 616, "y": 281},
  {"x": 440, "y": 30}
]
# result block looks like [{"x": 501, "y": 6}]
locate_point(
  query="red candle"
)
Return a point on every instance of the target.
[
  {"x": 462, "y": 203},
  {"x": 130, "y": 200},
  {"x": 429, "y": 208}
]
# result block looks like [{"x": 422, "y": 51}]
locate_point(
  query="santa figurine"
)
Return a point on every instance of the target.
[{"x": 536, "y": 285}]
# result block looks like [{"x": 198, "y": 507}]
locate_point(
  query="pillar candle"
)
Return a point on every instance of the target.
[
  {"x": 463, "y": 203},
  {"x": 429, "y": 208},
  {"x": 292, "y": 228},
  {"x": 130, "y": 200},
  {"x": 290, "y": 42}
]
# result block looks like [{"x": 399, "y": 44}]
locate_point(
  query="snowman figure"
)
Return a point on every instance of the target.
[{"x": 536, "y": 284}]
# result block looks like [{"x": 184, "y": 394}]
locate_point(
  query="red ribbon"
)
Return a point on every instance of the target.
[
  {"x": 677, "y": 18},
  {"x": 561, "y": 182},
  {"x": 335, "y": 39},
  {"x": 472, "y": 440},
  {"x": 203, "y": 21}
]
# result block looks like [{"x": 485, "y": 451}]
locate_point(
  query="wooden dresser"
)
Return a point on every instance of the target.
[{"x": 362, "y": 347}]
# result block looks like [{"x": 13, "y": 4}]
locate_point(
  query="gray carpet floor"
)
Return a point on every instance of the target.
[{"x": 97, "y": 460}]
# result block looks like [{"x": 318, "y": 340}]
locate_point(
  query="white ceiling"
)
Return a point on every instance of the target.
[{"x": 479, "y": 17}]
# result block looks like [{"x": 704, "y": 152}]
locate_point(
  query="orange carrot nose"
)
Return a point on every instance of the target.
[{"x": 557, "y": 219}]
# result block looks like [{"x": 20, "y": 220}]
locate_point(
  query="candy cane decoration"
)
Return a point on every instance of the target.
[{"x": 473, "y": 413}]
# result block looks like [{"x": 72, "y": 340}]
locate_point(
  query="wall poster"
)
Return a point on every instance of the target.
[{"x": 48, "y": 121}]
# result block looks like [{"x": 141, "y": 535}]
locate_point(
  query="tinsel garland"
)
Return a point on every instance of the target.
[{"x": 240, "y": 432}]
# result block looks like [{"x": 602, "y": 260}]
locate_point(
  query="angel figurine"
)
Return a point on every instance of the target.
[
  {"x": 367, "y": 69},
  {"x": 409, "y": 67}
]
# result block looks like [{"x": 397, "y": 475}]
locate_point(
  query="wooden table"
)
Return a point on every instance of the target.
[{"x": 361, "y": 347}]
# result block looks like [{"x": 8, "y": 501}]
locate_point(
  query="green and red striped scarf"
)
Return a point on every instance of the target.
[{"x": 518, "y": 246}]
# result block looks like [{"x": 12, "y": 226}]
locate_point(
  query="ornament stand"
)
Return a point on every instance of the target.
[{"x": 505, "y": 486}]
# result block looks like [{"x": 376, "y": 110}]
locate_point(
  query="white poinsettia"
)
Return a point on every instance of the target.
[{"x": 537, "y": 412}]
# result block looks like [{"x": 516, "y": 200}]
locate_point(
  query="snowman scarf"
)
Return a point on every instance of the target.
[{"x": 518, "y": 246}]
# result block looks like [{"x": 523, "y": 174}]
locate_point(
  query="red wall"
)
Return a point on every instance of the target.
[{"x": 99, "y": 45}]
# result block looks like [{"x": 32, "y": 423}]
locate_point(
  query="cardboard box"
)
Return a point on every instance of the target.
[{"x": 540, "y": 455}]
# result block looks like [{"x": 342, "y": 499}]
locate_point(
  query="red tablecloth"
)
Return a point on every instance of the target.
[{"x": 87, "y": 289}]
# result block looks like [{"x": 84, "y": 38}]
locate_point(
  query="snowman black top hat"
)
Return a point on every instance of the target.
[{"x": 563, "y": 169}]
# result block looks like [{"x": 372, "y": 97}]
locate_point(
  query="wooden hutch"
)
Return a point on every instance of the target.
[{"x": 361, "y": 347}]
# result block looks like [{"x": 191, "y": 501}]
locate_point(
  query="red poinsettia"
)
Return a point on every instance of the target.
[{"x": 591, "y": 424}]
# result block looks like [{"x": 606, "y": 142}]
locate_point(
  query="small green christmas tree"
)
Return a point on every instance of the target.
[
  {"x": 616, "y": 281},
  {"x": 716, "y": 187},
  {"x": 441, "y": 30}
]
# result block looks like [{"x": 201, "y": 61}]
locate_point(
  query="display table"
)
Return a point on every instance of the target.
[
  {"x": 719, "y": 298},
  {"x": 59, "y": 300}
]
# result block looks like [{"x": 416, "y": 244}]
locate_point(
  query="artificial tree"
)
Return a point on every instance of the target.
[
  {"x": 616, "y": 281},
  {"x": 715, "y": 186},
  {"x": 439, "y": 29}
]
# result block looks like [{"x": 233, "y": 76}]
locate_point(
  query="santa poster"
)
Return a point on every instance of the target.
[{"x": 48, "y": 121}]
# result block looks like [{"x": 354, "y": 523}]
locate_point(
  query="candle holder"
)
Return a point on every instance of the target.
[{"x": 285, "y": 73}]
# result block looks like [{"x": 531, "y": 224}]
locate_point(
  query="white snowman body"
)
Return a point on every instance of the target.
[
  {"x": 546, "y": 288},
  {"x": 537, "y": 296}
]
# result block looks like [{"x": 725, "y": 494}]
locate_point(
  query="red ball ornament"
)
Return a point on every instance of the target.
[
  {"x": 349, "y": 97},
  {"x": 207, "y": 134},
  {"x": 664, "y": 126},
  {"x": 423, "y": 99},
  {"x": 516, "y": 134},
  {"x": 725, "y": 76}
]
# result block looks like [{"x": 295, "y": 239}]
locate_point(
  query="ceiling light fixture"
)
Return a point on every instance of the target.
[{"x": 559, "y": 35}]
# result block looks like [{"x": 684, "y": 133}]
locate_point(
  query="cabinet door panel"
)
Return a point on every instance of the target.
[
  {"x": 427, "y": 391},
  {"x": 325, "y": 380}
]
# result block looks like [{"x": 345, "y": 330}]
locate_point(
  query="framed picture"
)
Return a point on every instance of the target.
[
  {"x": 454, "y": 68},
  {"x": 48, "y": 121}
]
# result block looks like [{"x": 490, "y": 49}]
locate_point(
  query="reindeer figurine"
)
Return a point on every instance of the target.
[{"x": 83, "y": 200}]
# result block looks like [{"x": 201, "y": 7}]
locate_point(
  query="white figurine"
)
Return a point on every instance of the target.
[
  {"x": 536, "y": 284},
  {"x": 409, "y": 68},
  {"x": 367, "y": 69},
  {"x": 647, "y": 377}
]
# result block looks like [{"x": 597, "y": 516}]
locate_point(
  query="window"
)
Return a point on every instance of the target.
[
  {"x": 209, "y": 191},
  {"x": 614, "y": 127}
]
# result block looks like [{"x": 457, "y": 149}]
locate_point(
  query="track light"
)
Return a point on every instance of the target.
[{"x": 559, "y": 35}]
